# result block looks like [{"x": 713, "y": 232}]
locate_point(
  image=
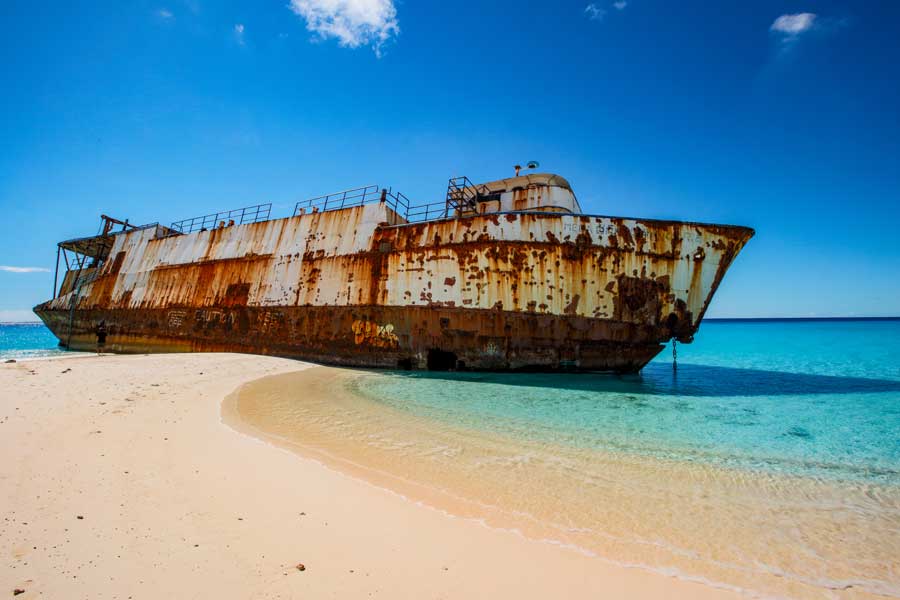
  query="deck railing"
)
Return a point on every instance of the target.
[
  {"x": 462, "y": 196},
  {"x": 427, "y": 212},
  {"x": 355, "y": 197},
  {"x": 238, "y": 216},
  {"x": 400, "y": 204}
]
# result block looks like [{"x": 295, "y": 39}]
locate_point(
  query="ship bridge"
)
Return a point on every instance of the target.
[{"x": 535, "y": 192}]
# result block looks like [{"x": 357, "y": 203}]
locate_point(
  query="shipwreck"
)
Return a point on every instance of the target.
[{"x": 503, "y": 275}]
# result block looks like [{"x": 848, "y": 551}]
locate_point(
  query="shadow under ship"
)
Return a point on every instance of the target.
[{"x": 503, "y": 275}]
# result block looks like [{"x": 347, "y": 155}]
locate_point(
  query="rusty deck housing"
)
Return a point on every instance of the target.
[{"x": 516, "y": 285}]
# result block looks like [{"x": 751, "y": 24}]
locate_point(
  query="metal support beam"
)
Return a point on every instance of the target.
[{"x": 55, "y": 273}]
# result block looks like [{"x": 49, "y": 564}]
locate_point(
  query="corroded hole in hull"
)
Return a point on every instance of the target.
[{"x": 442, "y": 360}]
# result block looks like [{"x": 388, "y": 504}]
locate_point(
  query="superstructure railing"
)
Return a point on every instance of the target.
[
  {"x": 239, "y": 216},
  {"x": 427, "y": 212},
  {"x": 462, "y": 198},
  {"x": 355, "y": 197}
]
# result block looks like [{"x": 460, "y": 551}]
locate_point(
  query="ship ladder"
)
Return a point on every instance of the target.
[{"x": 462, "y": 197}]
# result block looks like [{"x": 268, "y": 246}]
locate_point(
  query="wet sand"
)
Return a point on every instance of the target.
[{"x": 120, "y": 479}]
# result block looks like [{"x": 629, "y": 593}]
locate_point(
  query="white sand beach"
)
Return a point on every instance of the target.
[{"x": 120, "y": 479}]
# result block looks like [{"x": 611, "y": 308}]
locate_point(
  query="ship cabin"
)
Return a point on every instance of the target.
[{"x": 539, "y": 192}]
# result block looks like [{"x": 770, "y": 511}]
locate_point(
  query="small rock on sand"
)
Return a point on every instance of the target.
[
  {"x": 301, "y": 567},
  {"x": 11, "y": 360},
  {"x": 18, "y": 591}
]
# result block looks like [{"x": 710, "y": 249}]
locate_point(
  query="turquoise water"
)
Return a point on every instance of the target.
[
  {"x": 27, "y": 340},
  {"x": 810, "y": 398}
]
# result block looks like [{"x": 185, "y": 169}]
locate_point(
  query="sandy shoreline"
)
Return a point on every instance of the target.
[{"x": 175, "y": 503}]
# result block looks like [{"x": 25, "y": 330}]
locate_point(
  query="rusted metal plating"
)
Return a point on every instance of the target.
[{"x": 541, "y": 290}]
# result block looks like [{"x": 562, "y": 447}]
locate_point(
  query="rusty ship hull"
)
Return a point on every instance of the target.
[{"x": 361, "y": 286}]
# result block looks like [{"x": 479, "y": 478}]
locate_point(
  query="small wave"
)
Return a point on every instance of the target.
[{"x": 21, "y": 354}]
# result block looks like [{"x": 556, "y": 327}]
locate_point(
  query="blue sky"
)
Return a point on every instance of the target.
[{"x": 778, "y": 115}]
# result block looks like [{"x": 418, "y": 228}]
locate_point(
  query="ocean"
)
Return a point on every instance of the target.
[{"x": 27, "y": 340}]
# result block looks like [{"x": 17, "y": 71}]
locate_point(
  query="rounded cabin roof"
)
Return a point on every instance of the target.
[{"x": 523, "y": 181}]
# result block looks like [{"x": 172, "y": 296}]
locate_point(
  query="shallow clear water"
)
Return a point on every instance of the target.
[
  {"x": 27, "y": 340},
  {"x": 769, "y": 462},
  {"x": 817, "y": 398}
]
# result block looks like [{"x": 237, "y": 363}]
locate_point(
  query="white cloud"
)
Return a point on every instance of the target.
[
  {"x": 239, "y": 33},
  {"x": 793, "y": 25},
  {"x": 164, "y": 13},
  {"x": 620, "y": 5},
  {"x": 594, "y": 12},
  {"x": 353, "y": 23},
  {"x": 23, "y": 269}
]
